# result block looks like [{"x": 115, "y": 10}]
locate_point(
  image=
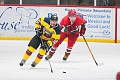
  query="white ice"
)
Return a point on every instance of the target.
[{"x": 79, "y": 66}]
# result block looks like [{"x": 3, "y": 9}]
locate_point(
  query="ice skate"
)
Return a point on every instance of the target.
[
  {"x": 48, "y": 57},
  {"x": 65, "y": 57},
  {"x": 33, "y": 64},
  {"x": 22, "y": 62}
]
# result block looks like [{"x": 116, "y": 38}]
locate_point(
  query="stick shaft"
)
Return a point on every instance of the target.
[
  {"x": 50, "y": 66},
  {"x": 90, "y": 51},
  {"x": 48, "y": 59}
]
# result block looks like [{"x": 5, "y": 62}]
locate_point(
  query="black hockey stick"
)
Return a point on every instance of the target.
[
  {"x": 50, "y": 66},
  {"x": 46, "y": 52},
  {"x": 92, "y": 53}
]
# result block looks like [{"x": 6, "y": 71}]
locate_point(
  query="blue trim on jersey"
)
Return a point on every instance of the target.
[
  {"x": 47, "y": 20},
  {"x": 57, "y": 29}
]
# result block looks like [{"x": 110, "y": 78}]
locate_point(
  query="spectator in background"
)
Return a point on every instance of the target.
[
  {"x": 110, "y": 2},
  {"x": 116, "y": 2},
  {"x": 105, "y": 3}
]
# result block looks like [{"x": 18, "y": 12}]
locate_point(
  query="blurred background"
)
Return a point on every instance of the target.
[{"x": 65, "y": 2}]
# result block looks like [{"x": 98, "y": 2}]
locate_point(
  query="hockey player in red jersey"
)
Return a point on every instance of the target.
[{"x": 71, "y": 27}]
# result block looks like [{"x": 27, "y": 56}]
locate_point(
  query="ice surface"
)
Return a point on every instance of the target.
[{"x": 79, "y": 66}]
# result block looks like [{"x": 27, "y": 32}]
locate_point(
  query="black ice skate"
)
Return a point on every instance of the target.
[
  {"x": 22, "y": 62},
  {"x": 65, "y": 57},
  {"x": 33, "y": 64},
  {"x": 48, "y": 57}
]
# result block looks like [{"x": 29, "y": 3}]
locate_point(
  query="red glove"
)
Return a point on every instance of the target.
[{"x": 82, "y": 31}]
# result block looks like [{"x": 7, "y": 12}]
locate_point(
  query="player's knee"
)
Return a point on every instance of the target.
[
  {"x": 57, "y": 43},
  {"x": 42, "y": 52},
  {"x": 31, "y": 49}
]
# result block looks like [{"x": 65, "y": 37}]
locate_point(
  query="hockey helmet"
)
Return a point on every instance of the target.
[
  {"x": 71, "y": 12},
  {"x": 53, "y": 20},
  {"x": 54, "y": 17}
]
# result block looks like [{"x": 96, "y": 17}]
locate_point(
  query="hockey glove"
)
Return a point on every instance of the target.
[
  {"x": 83, "y": 30},
  {"x": 47, "y": 46},
  {"x": 38, "y": 31}
]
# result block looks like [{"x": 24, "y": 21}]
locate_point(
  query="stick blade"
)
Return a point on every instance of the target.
[
  {"x": 100, "y": 64},
  {"x": 51, "y": 71}
]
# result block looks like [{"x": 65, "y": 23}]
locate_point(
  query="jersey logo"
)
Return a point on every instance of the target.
[{"x": 46, "y": 32}]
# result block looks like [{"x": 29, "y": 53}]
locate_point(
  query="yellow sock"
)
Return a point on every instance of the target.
[
  {"x": 40, "y": 55},
  {"x": 37, "y": 60},
  {"x": 31, "y": 50}
]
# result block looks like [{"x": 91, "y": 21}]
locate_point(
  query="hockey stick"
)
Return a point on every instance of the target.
[
  {"x": 50, "y": 66},
  {"x": 92, "y": 53},
  {"x": 48, "y": 59}
]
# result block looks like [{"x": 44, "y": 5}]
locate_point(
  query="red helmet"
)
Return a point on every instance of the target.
[{"x": 71, "y": 12}]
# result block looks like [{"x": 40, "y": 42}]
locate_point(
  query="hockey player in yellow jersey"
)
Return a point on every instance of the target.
[{"x": 47, "y": 32}]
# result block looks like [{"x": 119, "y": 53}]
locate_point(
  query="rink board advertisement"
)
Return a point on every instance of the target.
[
  {"x": 118, "y": 25},
  {"x": 100, "y": 21},
  {"x": 18, "y": 21}
]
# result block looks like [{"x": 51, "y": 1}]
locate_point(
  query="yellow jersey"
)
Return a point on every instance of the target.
[{"x": 48, "y": 32}]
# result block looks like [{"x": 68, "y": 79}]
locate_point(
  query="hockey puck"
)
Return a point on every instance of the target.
[{"x": 64, "y": 72}]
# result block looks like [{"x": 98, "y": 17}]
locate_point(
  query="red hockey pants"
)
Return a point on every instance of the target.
[{"x": 71, "y": 40}]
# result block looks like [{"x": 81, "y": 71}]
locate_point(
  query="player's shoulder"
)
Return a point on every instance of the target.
[
  {"x": 45, "y": 19},
  {"x": 65, "y": 18},
  {"x": 79, "y": 18}
]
